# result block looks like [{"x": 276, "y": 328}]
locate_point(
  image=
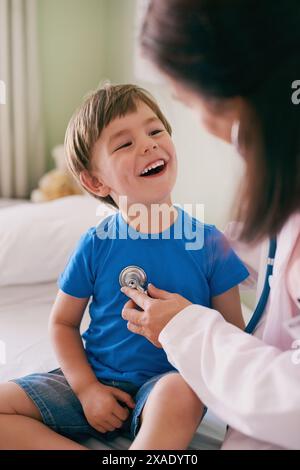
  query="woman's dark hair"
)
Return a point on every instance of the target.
[{"x": 249, "y": 49}]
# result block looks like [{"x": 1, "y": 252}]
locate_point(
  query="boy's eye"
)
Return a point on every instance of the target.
[
  {"x": 127, "y": 144},
  {"x": 156, "y": 131}
]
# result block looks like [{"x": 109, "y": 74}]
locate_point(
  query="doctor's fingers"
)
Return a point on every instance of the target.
[
  {"x": 141, "y": 330},
  {"x": 130, "y": 304},
  {"x": 139, "y": 298},
  {"x": 133, "y": 316}
]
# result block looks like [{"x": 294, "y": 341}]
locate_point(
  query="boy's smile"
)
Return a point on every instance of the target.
[{"x": 135, "y": 157}]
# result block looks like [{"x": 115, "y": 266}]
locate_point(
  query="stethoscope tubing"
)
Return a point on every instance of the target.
[{"x": 261, "y": 305}]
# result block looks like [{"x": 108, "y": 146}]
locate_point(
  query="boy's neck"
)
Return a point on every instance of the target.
[{"x": 153, "y": 218}]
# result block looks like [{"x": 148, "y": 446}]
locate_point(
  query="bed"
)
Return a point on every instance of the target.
[{"x": 27, "y": 294}]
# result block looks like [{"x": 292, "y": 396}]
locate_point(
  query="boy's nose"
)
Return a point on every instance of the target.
[{"x": 149, "y": 147}]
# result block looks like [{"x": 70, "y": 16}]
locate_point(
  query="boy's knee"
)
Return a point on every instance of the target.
[
  {"x": 176, "y": 393},
  {"x": 13, "y": 400}
]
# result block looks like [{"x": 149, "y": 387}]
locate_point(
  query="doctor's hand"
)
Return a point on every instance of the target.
[{"x": 157, "y": 311}]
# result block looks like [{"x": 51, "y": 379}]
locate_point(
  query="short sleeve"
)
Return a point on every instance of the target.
[
  {"x": 78, "y": 278},
  {"x": 226, "y": 270}
]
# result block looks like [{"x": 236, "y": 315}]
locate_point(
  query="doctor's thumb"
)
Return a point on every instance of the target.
[{"x": 156, "y": 293}]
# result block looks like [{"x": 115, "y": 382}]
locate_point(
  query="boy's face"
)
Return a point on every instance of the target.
[{"x": 126, "y": 148}]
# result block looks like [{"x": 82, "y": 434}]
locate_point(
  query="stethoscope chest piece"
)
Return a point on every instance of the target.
[{"x": 134, "y": 277}]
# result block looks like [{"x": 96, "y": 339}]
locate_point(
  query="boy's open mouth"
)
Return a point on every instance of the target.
[{"x": 154, "y": 168}]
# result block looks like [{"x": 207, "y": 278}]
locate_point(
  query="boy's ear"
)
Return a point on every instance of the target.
[{"x": 93, "y": 184}]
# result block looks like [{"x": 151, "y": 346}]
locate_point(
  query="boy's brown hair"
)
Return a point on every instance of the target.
[{"x": 98, "y": 110}]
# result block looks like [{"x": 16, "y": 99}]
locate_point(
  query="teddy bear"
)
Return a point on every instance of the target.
[{"x": 56, "y": 183}]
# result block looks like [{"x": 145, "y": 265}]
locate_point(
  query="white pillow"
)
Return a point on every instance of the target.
[{"x": 36, "y": 240}]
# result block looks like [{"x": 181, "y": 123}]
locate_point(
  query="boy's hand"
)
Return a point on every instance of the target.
[{"x": 101, "y": 407}]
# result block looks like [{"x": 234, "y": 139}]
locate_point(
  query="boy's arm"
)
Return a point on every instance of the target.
[
  {"x": 100, "y": 402},
  {"x": 65, "y": 319},
  {"x": 229, "y": 305}
]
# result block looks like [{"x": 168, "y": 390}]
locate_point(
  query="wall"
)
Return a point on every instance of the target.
[
  {"x": 120, "y": 39},
  {"x": 72, "y": 41}
]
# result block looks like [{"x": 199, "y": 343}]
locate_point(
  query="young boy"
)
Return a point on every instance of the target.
[{"x": 119, "y": 144}]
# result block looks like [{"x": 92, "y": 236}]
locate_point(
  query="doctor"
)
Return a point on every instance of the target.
[{"x": 236, "y": 62}]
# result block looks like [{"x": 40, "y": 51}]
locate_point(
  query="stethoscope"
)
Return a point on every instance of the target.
[{"x": 136, "y": 278}]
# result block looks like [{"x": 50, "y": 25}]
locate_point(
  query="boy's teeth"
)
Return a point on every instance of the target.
[{"x": 151, "y": 167}]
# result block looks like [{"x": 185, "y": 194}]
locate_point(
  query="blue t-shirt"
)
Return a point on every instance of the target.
[{"x": 198, "y": 268}]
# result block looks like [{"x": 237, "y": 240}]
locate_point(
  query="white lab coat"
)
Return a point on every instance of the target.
[{"x": 250, "y": 382}]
